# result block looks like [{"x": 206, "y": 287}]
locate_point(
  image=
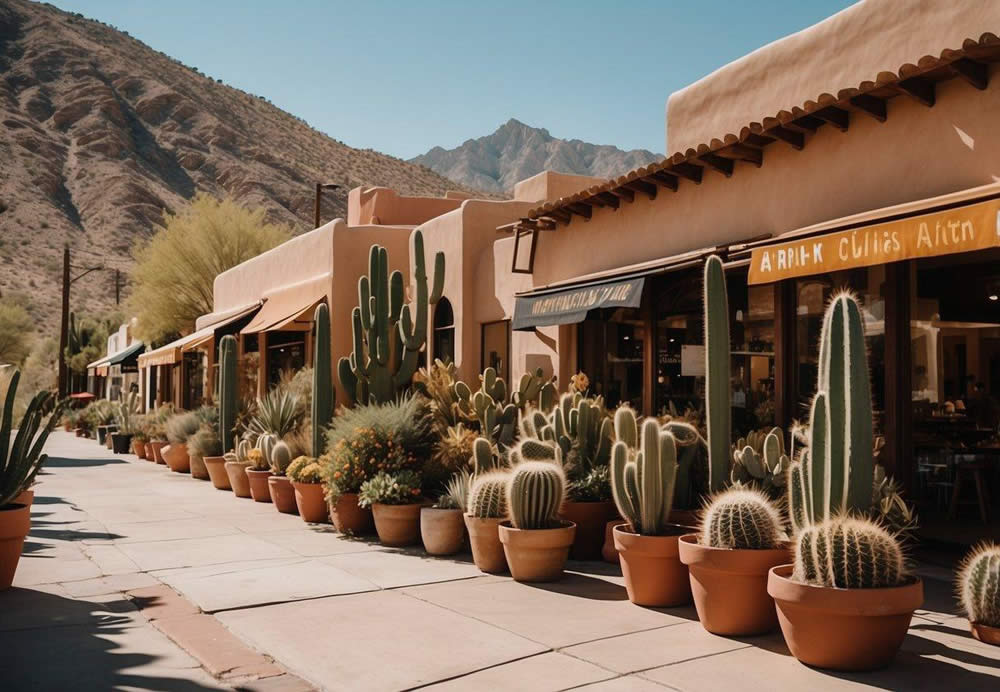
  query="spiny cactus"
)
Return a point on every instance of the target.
[
  {"x": 488, "y": 405},
  {"x": 582, "y": 430},
  {"x": 627, "y": 426},
  {"x": 533, "y": 389},
  {"x": 488, "y": 496},
  {"x": 387, "y": 337},
  {"x": 536, "y": 425},
  {"x": 760, "y": 459},
  {"x": 717, "y": 366},
  {"x": 227, "y": 391},
  {"x": 536, "y": 450},
  {"x": 643, "y": 487},
  {"x": 848, "y": 553},
  {"x": 742, "y": 518},
  {"x": 979, "y": 585},
  {"x": 535, "y": 492},
  {"x": 322, "y": 386},
  {"x": 243, "y": 448},
  {"x": 266, "y": 443},
  {"x": 281, "y": 457},
  {"x": 484, "y": 459}
]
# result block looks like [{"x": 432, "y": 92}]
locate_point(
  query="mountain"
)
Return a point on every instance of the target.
[
  {"x": 99, "y": 134},
  {"x": 517, "y": 151}
]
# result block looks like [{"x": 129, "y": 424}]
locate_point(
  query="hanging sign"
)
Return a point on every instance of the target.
[{"x": 572, "y": 304}]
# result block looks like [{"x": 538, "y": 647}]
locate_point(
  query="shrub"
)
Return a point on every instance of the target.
[
  {"x": 451, "y": 452},
  {"x": 593, "y": 486},
  {"x": 402, "y": 488},
  {"x": 181, "y": 427},
  {"x": 305, "y": 470},
  {"x": 205, "y": 442}
]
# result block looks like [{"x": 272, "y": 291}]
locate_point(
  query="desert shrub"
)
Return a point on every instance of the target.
[
  {"x": 205, "y": 442},
  {"x": 400, "y": 488}
]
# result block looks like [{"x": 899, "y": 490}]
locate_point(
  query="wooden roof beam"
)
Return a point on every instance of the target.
[
  {"x": 648, "y": 189},
  {"x": 581, "y": 209},
  {"x": 838, "y": 117},
  {"x": 665, "y": 179},
  {"x": 545, "y": 224},
  {"x": 595, "y": 201},
  {"x": 624, "y": 193},
  {"x": 759, "y": 141},
  {"x": 975, "y": 73},
  {"x": 796, "y": 139},
  {"x": 724, "y": 166},
  {"x": 609, "y": 199},
  {"x": 742, "y": 152},
  {"x": 805, "y": 123},
  {"x": 560, "y": 215},
  {"x": 872, "y": 105},
  {"x": 918, "y": 88},
  {"x": 687, "y": 170}
]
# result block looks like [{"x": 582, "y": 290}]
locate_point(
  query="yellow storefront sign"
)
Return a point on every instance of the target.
[{"x": 963, "y": 229}]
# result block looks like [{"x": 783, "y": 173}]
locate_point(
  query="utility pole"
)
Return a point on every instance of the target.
[
  {"x": 64, "y": 323},
  {"x": 118, "y": 286},
  {"x": 317, "y": 202}
]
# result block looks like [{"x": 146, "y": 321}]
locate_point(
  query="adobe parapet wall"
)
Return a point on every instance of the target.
[{"x": 383, "y": 206}]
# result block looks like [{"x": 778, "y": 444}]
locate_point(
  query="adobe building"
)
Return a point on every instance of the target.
[{"x": 117, "y": 372}]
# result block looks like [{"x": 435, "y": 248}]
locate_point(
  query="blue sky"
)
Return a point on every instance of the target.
[{"x": 401, "y": 77}]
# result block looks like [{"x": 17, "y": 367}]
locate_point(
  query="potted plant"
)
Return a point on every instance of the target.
[
  {"x": 207, "y": 459},
  {"x": 487, "y": 507},
  {"x": 442, "y": 528},
  {"x": 237, "y": 463},
  {"x": 847, "y": 600},
  {"x": 178, "y": 429},
  {"x": 280, "y": 487},
  {"x": 306, "y": 477},
  {"x": 979, "y": 589},
  {"x": 125, "y": 415},
  {"x": 647, "y": 542},
  {"x": 258, "y": 471},
  {"x": 20, "y": 461},
  {"x": 157, "y": 432},
  {"x": 395, "y": 500},
  {"x": 535, "y": 541},
  {"x": 70, "y": 420},
  {"x": 140, "y": 438}
]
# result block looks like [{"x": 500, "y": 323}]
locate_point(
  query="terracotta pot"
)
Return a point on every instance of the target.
[
  {"x": 442, "y": 530},
  {"x": 139, "y": 448},
  {"x": 730, "y": 586},
  {"x": 397, "y": 525},
  {"x": 591, "y": 519},
  {"x": 484, "y": 539},
  {"x": 257, "y": 481},
  {"x": 653, "y": 571},
  {"x": 348, "y": 517},
  {"x": 216, "y": 467},
  {"x": 158, "y": 451},
  {"x": 198, "y": 468},
  {"x": 311, "y": 503},
  {"x": 148, "y": 452},
  {"x": 608, "y": 552},
  {"x": 68, "y": 427},
  {"x": 985, "y": 633},
  {"x": 80, "y": 432},
  {"x": 843, "y": 629},
  {"x": 177, "y": 458},
  {"x": 238, "y": 481},
  {"x": 27, "y": 497},
  {"x": 15, "y": 522},
  {"x": 536, "y": 555},
  {"x": 282, "y": 494}
]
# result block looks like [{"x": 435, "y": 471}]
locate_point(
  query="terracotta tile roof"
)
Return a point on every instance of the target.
[{"x": 791, "y": 126}]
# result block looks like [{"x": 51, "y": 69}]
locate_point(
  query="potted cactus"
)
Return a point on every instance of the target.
[
  {"x": 237, "y": 463},
  {"x": 847, "y": 600},
  {"x": 140, "y": 438},
  {"x": 535, "y": 540},
  {"x": 258, "y": 471},
  {"x": 179, "y": 428},
  {"x": 487, "y": 507},
  {"x": 441, "y": 526},
  {"x": 979, "y": 590},
  {"x": 395, "y": 500},
  {"x": 279, "y": 455},
  {"x": 206, "y": 451},
  {"x": 125, "y": 415},
  {"x": 306, "y": 477}
]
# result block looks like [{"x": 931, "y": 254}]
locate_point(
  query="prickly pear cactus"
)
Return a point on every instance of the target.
[
  {"x": 848, "y": 553},
  {"x": 742, "y": 518},
  {"x": 979, "y": 585},
  {"x": 535, "y": 492},
  {"x": 488, "y": 496},
  {"x": 760, "y": 459}
]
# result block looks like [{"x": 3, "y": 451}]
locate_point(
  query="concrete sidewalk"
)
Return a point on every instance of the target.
[{"x": 138, "y": 578}]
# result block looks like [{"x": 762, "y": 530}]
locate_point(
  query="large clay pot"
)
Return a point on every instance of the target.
[
  {"x": 442, "y": 530},
  {"x": 484, "y": 539},
  {"x": 148, "y": 452},
  {"x": 27, "y": 497},
  {"x": 608, "y": 552},
  {"x": 348, "y": 517},
  {"x": 311, "y": 503},
  {"x": 653, "y": 571},
  {"x": 158, "y": 446},
  {"x": 591, "y": 519},
  {"x": 536, "y": 555},
  {"x": 730, "y": 586},
  {"x": 282, "y": 494},
  {"x": 216, "y": 467},
  {"x": 15, "y": 522},
  {"x": 198, "y": 468},
  {"x": 139, "y": 448},
  {"x": 257, "y": 480},
  {"x": 843, "y": 629},
  {"x": 985, "y": 633},
  {"x": 238, "y": 481},
  {"x": 397, "y": 525},
  {"x": 177, "y": 458}
]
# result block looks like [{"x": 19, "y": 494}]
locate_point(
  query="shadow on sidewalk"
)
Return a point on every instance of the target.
[{"x": 67, "y": 463}]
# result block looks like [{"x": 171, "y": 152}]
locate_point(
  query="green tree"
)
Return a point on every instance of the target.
[
  {"x": 174, "y": 272},
  {"x": 16, "y": 329}
]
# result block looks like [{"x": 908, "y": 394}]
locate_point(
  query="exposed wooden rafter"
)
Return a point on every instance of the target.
[
  {"x": 559, "y": 215},
  {"x": 609, "y": 199},
  {"x": 918, "y": 88},
  {"x": 872, "y": 105},
  {"x": 742, "y": 152},
  {"x": 642, "y": 186},
  {"x": 837, "y": 117},
  {"x": 687, "y": 170},
  {"x": 581, "y": 209},
  {"x": 975, "y": 73},
  {"x": 805, "y": 123},
  {"x": 724, "y": 166},
  {"x": 625, "y": 193},
  {"x": 796, "y": 139},
  {"x": 758, "y": 140},
  {"x": 665, "y": 179}
]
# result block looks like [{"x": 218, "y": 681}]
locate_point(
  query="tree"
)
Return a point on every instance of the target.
[
  {"x": 16, "y": 328},
  {"x": 174, "y": 272}
]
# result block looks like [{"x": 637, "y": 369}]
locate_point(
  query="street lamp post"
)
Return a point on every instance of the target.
[{"x": 319, "y": 195}]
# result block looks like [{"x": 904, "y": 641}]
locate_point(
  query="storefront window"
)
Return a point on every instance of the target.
[
  {"x": 444, "y": 331},
  {"x": 680, "y": 339},
  {"x": 194, "y": 374},
  {"x": 610, "y": 347},
  {"x": 496, "y": 349},
  {"x": 286, "y": 352}
]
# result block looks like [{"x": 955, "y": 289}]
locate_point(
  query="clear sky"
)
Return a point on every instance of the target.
[{"x": 403, "y": 76}]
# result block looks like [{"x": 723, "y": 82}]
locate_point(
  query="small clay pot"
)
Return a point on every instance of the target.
[
  {"x": 591, "y": 519},
  {"x": 216, "y": 467},
  {"x": 282, "y": 494},
  {"x": 442, "y": 530},
  {"x": 238, "y": 481},
  {"x": 198, "y": 468},
  {"x": 484, "y": 539},
  {"x": 259, "y": 490},
  {"x": 653, "y": 571},
  {"x": 139, "y": 448},
  {"x": 397, "y": 525},
  {"x": 158, "y": 451},
  {"x": 985, "y": 633},
  {"x": 348, "y": 517},
  {"x": 311, "y": 503},
  {"x": 730, "y": 586},
  {"x": 148, "y": 452},
  {"x": 177, "y": 458},
  {"x": 27, "y": 497},
  {"x": 608, "y": 552},
  {"x": 843, "y": 629},
  {"x": 537, "y": 555},
  {"x": 15, "y": 522}
]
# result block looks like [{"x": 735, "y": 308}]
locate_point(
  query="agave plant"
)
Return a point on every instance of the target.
[
  {"x": 277, "y": 413},
  {"x": 21, "y": 461}
]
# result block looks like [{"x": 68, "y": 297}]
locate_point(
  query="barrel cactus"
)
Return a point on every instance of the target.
[
  {"x": 848, "y": 553},
  {"x": 281, "y": 457},
  {"x": 742, "y": 518},
  {"x": 243, "y": 448},
  {"x": 717, "y": 366},
  {"x": 266, "y": 443},
  {"x": 488, "y": 496},
  {"x": 642, "y": 483},
  {"x": 979, "y": 585},
  {"x": 322, "y": 386},
  {"x": 227, "y": 391},
  {"x": 535, "y": 492}
]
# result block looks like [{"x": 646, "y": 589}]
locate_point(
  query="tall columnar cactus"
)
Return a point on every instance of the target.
[
  {"x": 848, "y": 553},
  {"x": 643, "y": 487},
  {"x": 322, "y": 389},
  {"x": 387, "y": 335},
  {"x": 227, "y": 391},
  {"x": 535, "y": 492},
  {"x": 627, "y": 426},
  {"x": 741, "y": 518},
  {"x": 488, "y": 496},
  {"x": 979, "y": 585},
  {"x": 717, "y": 366}
]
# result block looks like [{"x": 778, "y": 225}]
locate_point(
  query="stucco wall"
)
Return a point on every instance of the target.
[
  {"x": 549, "y": 185},
  {"x": 383, "y": 205}
]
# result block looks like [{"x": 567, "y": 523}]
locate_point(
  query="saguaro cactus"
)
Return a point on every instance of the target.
[
  {"x": 643, "y": 487},
  {"x": 227, "y": 391},
  {"x": 322, "y": 390},
  {"x": 387, "y": 338},
  {"x": 535, "y": 492},
  {"x": 717, "y": 366}
]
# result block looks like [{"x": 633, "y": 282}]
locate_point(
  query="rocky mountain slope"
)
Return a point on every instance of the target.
[
  {"x": 516, "y": 151},
  {"x": 99, "y": 134}
]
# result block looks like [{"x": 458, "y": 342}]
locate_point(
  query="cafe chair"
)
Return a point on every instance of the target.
[{"x": 970, "y": 467}]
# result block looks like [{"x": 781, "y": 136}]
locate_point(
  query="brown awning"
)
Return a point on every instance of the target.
[
  {"x": 205, "y": 337},
  {"x": 174, "y": 351},
  {"x": 289, "y": 309}
]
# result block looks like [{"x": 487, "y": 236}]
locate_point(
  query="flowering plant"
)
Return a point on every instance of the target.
[
  {"x": 305, "y": 470},
  {"x": 579, "y": 382},
  {"x": 361, "y": 455},
  {"x": 402, "y": 488}
]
